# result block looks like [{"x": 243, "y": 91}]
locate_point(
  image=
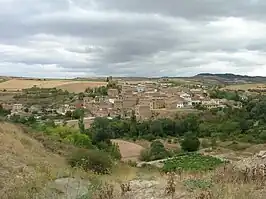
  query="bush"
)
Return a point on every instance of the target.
[
  {"x": 145, "y": 155},
  {"x": 205, "y": 143},
  {"x": 155, "y": 152},
  {"x": 94, "y": 160},
  {"x": 79, "y": 139},
  {"x": 190, "y": 144}
]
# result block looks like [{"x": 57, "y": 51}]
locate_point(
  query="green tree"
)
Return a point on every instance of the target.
[
  {"x": 81, "y": 125},
  {"x": 190, "y": 143}
]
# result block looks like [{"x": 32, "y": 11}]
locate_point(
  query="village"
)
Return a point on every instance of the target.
[{"x": 145, "y": 99}]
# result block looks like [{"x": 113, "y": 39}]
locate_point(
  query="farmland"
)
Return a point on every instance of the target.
[
  {"x": 69, "y": 85},
  {"x": 128, "y": 150},
  {"x": 246, "y": 87},
  {"x": 192, "y": 162}
]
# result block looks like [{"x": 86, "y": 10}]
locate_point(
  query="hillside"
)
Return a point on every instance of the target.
[
  {"x": 69, "y": 85},
  {"x": 29, "y": 169},
  {"x": 24, "y": 160},
  {"x": 229, "y": 78}
]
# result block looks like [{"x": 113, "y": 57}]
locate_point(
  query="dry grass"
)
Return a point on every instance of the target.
[
  {"x": 26, "y": 167},
  {"x": 25, "y": 163},
  {"x": 70, "y": 85},
  {"x": 246, "y": 87}
]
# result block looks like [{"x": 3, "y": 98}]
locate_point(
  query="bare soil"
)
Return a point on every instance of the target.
[{"x": 128, "y": 150}]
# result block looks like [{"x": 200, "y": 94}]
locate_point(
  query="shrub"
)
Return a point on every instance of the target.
[
  {"x": 94, "y": 160},
  {"x": 115, "y": 151},
  {"x": 190, "y": 144},
  {"x": 192, "y": 184},
  {"x": 155, "y": 152},
  {"x": 145, "y": 155},
  {"x": 79, "y": 139},
  {"x": 205, "y": 143}
]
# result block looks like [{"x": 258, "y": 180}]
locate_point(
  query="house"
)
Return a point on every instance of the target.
[
  {"x": 118, "y": 104},
  {"x": 196, "y": 100},
  {"x": 17, "y": 108},
  {"x": 143, "y": 112},
  {"x": 7, "y": 106},
  {"x": 185, "y": 96},
  {"x": 140, "y": 88},
  {"x": 157, "y": 103},
  {"x": 112, "y": 92},
  {"x": 212, "y": 103},
  {"x": 87, "y": 100},
  {"x": 63, "y": 109},
  {"x": 144, "y": 100},
  {"x": 35, "y": 108},
  {"x": 177, "y": 102}
]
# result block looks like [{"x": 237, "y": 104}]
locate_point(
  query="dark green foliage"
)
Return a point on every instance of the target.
[
  {"x": 94, "y": 160},
  {"x": 81, "y": 125},
  {"x": 78, "y": 113},
  {"x": 192, "y": 162},
  {"x": 155, "y": 152},
  {"x": 4, "y": 112},
  {"x": 190, "y": 143},
  {"x": 233, "y": 95}
]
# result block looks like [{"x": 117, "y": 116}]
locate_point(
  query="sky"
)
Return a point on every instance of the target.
[{"x": 70, "y": 38}]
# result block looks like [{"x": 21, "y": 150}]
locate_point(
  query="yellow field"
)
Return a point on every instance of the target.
[
  {"x": 70, "y": 85},
  {"x": 246, "y": 87}
]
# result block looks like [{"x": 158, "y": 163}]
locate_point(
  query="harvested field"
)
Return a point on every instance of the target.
[
  {"x": 246, "y": 87},
  {"x": 70, "y": 85},
  {"x": 80, "y": 86},
  {"x": 129, "y": 150}
]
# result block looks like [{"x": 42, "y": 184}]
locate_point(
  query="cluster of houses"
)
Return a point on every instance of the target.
[
  {"x": 150, "y": 99},
  {"x": 146, "y": 100}
]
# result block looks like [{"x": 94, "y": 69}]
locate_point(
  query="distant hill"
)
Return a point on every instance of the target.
[{"x": 229, "y": 78}]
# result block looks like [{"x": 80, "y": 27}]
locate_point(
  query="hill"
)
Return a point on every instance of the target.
[
  {"x": 69, "y": 85},
  {"x": 24, "y": 160},
  {"x": 229, "y": 78}
]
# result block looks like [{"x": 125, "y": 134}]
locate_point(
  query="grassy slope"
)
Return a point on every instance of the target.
[
  {"x": 28, "y": 163},
  {"x": 25, "y": 163}
]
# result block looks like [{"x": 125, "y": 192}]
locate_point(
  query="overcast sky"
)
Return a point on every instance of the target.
[{"x": 68, "y": 38}]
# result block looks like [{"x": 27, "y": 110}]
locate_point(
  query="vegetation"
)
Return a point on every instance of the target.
[
  {"x": 191, "y": 162},
  {"x": 190, "y": 143},
  {"x": 155, "y": 152},
  {"x": 94, "y": 160},
  {"x": 233, "y": 95}
]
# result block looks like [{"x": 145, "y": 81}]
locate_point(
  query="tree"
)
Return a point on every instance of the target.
[
  {"x": 156, "y": 128},
  {"x": 190, "y": 143},
  {"x": 78, "y": 113},
  {"x": 81, "y": 125},
  {"x": 155, "y": 152}
]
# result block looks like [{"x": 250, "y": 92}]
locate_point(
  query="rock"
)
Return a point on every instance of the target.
[
  {"x": 67, "y": 188},
  {"x": 261, "y": 154},
  {"x": 149, "y": 189}
]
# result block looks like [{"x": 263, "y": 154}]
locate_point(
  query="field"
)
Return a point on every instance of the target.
[
  {"x": 69, "y": 85},
  {"x": 128, "y": 150},
  {"x": 193, "y": 162},
  {"x": 246, "y": 87}
]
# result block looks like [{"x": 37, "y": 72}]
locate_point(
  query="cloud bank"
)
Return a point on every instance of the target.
[{"x": 69, "y": 38}]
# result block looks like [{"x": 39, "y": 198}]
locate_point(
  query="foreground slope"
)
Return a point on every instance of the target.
[{"x": 24, "y": 161}]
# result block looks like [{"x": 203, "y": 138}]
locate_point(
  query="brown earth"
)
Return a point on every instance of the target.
[
  {"x": 128, "y": 150},
  {"x": 70, "y": 85}
]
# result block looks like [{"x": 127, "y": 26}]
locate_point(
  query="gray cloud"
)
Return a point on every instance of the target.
[{"x": 132, "y": 38}]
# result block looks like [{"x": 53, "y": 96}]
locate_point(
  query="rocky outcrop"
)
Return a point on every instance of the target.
[{"x": 66, "y": 188}]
